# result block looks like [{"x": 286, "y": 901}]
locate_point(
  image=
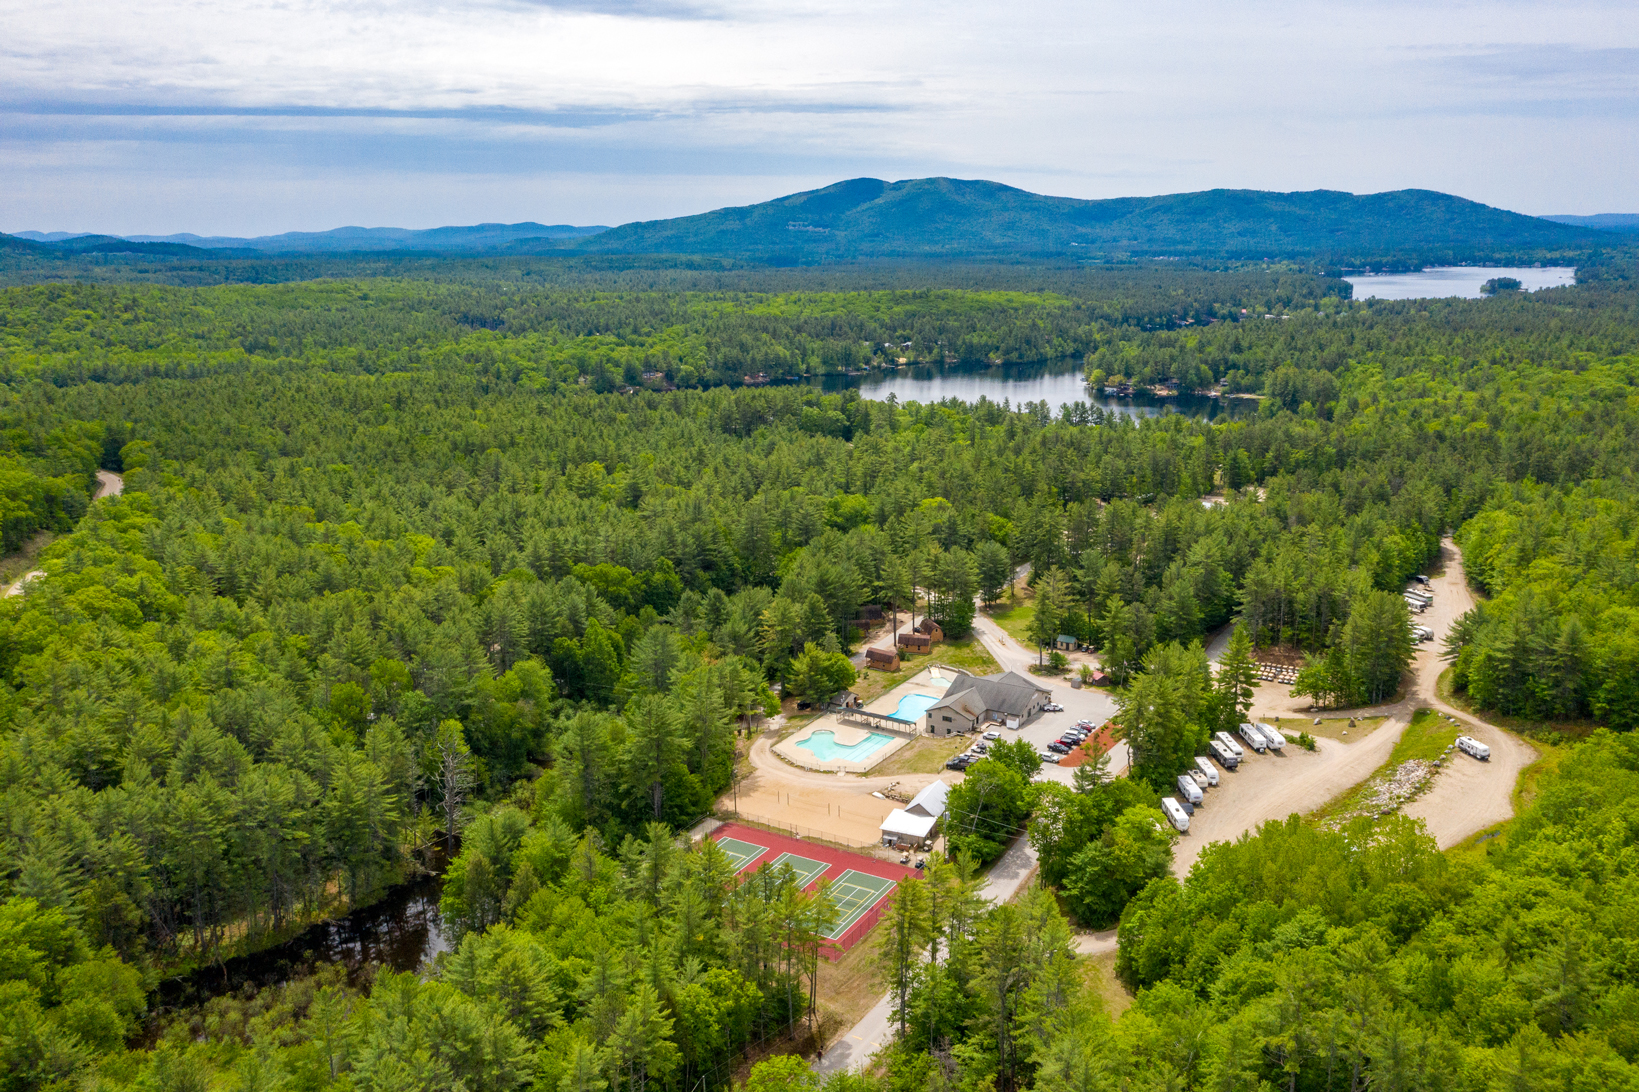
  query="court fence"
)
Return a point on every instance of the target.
[
  {"x": 729, "y": 815},
  {"x": 855, "y": 932}
]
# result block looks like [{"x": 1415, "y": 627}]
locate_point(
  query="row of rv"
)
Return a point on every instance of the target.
[
  {"x": 1224, "y": 747},
  {"x": 1419, "y": 599}
]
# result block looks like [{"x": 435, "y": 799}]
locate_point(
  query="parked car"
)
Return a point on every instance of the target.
[
  {"x": 1052, "y": 707},
  {"x": 1049, "y": 756},
  {"x": 960, "y": 762},
  {"x": 992, "y": 735},
  {"x": 1058, "y": 748}
]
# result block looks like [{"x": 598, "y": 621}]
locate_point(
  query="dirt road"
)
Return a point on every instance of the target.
[
  {"x": 1466, "y": 797},
  {"x": 109, "y": 484}
]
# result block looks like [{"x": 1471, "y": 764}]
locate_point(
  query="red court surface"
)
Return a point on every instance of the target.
[{"x": 838, "y": 860}]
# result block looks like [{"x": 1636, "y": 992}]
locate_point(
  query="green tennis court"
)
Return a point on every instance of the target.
[
  {"x": 742, "y": 853},
  {"x": 853, "y": 894},
  {"x": 807, "y": 869}
]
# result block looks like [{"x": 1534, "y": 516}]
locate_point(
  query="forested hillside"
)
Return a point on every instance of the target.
[{"x": 400, "y": 558}]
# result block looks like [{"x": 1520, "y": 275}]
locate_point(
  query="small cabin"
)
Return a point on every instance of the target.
[
  {"x": 1064, "y": 643},
  {"x": 928, "y": 628},
  {"x": 883, "y": 659},
  {"x": 915, "y": 642}
]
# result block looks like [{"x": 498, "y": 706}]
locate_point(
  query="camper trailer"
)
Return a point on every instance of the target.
[
  {"x": 1254, "y": 738},
  {"x": 1471, "y": 746},
  {"x": 1207, "y": 770},
  {"x": 1190, "y": 790},
  {"x": 1272, "y": 736},
  {"x": 1226, "y": 758},
  {"x": 1229, "y": 743},
  {"x": 1422, "y": 633},
  {"x": 1416, "y": 604},
  {"x": 1175, "y": 815}
]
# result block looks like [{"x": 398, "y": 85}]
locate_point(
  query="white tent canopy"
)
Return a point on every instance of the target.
[{"x": 901, "y": 825}]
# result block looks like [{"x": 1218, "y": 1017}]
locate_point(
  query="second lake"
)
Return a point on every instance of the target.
[{"x": 1057, "y": 382}]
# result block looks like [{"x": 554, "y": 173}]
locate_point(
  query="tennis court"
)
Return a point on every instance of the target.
[
  {"x": 807, "y": 869},
  {"x": 742, "y": 853},
  {"x": 853, "y": 894}
]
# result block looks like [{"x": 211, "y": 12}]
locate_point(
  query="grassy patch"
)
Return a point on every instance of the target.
[
  {"x": 967, "y": 653},
  {"x": 1426, "y": 738},
  {"x": 1098, "y": 973},
  {"x": 926, "y": 754},
  {"x": 1014, "y": 618},
  {"x": 1520, "y": 726},
  {"x": 849, "y": 987},
  {"x": 1332, "y": 727}
]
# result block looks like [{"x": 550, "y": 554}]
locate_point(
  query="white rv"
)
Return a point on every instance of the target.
[
  {"x": 1175, "y": 815},
  {"x": 1254, "y": 738},
  {"x": 1272, "y": 736},
  {"x": 1416, "y": 604},
  {"x": 1471, "y": 746},
  {"x": 1229, "y": 744},
  {"x": 1190, "y": 790},
  {"x": 1207, "y": 770},
  {"x": 1226, "y": 758}
]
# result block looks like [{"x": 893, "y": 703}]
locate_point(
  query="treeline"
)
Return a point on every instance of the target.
[
  {"x": 47, "y": 474},
  {"x": 578, "y": 967},
  {"x": 607, "y": 330},
  {"x": 1294, "y": 958}
]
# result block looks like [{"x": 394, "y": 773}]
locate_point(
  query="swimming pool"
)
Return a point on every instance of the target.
[
  {"x": 823, "y": 745},
  {"x": 911, "y": 707}
]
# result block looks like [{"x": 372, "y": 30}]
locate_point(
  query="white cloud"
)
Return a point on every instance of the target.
[{"x": 310, "y": 114}]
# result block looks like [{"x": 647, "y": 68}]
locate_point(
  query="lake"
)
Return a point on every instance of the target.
[
  {"x": 1438, "y": 282},
  {"x": 1057, "y": 382}
]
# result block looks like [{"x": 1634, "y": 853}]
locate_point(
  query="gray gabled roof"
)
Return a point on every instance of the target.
[{"x": 1008, "y": 693}]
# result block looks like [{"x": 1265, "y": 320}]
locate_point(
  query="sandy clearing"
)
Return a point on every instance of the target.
[
  {"x": 1466, "y": 797},
  {"x": 840, "y": 805},
  {"x": 1273, "y": 786},
  {"x": 1469, "y": 795}
]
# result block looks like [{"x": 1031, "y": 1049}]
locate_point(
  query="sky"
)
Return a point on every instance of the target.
[{"x": 249, "y": 117}]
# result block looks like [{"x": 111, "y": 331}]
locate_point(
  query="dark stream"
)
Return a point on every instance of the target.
[{"x": 401, "y": 931}]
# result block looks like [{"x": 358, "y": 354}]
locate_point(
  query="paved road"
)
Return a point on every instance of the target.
[{"x": 855, "y": 1047}]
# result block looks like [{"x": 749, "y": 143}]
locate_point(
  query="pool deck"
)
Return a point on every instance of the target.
[{"x": 849, "y": 731}]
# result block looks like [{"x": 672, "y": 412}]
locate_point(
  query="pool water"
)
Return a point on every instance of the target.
[
  {"x": 912, "y": 706},
  {"x": 823, "y": 745}
]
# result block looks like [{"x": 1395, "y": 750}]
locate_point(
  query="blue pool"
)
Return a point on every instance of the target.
[
  {"x": 911, "y": 707},
  {"x": 823, "y": 745}
]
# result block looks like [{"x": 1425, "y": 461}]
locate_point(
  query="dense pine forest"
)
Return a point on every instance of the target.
[{"x": 509, "y": 565}]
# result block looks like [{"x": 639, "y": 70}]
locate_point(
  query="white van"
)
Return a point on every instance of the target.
[
  {"x": 1272, "y": 736},
  {"x": 1472, "y": 746},
  {"x": 1229, "y": 744},
  {"x": 1175, "y": 815},
  {"x": 1190, "y": 790},
  {"x": 1226, "y": 758},
  {"x": 1253, "y": 737},
  {"x": 1207, "y": 770}
]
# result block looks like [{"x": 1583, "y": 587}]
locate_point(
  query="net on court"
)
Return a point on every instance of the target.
[
  {"x": 807, "y": 869},
  {"x": 854, "y": 894},
  {"x": 742, "y": 853}
]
